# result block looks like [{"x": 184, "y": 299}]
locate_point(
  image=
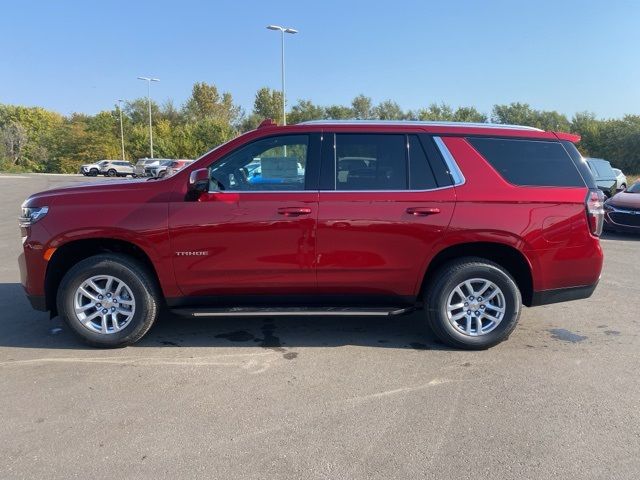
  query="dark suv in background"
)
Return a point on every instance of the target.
[
  {"x": 465, "y": 223},
  {"x": 604, "y": 176}
]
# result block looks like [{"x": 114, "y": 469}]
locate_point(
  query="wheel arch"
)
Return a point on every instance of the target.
[
  {"x": 70, "y": 253},
  {"x": 508, "y": 257}
]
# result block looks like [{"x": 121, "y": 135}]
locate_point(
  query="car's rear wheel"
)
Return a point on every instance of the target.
[
  {"x": 108, "y": 300},
  {"x": 472, "y": 303}
]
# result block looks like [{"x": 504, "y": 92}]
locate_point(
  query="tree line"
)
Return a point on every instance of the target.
[{"x": 39, "y": 140}]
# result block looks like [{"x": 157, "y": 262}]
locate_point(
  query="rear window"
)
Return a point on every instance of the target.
[
  {"x": 529, "y": 162},
  {"x": 602, "y": 168}
]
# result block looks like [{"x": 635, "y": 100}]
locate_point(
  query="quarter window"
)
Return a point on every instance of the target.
[
  {"x": 529, "y": 162},
  {"x": 420, "y": 174},
  {"x": 270, "y": 164}
]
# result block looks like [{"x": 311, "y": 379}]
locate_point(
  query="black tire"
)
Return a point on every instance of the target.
[
  {"x": 111, "y": 173},
  {"x": 93, "y": 172},
  {"x": 143, "y": 288},
  {"x": 453, "y": 274}
]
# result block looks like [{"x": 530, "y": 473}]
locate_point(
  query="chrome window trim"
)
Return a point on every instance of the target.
[
  {"x": 333, "y": 191},
  {"x": 455, "y": 172}
]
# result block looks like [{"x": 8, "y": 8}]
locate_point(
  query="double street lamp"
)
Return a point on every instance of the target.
[
  {"x": 149, "y": 80},
  {"x": 283, "y": 30}
]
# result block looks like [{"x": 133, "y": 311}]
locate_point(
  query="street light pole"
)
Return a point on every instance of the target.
[
  {"x": 121, "y": 127},
  {"x": 149, "y": 80},
  {"x": 283, "y": 30}
]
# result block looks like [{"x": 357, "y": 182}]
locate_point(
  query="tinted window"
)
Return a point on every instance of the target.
[
  {"x": 529, "y": 162},
  {"x": 370, "y": 162},
  {"x": 274, "y": 163},
  {"x": 420, "y": 174},
  {"x": 580, "y": 163}
]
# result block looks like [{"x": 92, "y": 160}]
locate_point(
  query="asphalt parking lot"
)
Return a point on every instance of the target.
[{"x": 321, "y": 397}]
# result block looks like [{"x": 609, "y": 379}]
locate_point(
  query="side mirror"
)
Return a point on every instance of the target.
[{"x": 198, "y": 181}]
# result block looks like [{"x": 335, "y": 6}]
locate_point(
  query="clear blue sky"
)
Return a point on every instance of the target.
[{"x": 563, "y": 55}]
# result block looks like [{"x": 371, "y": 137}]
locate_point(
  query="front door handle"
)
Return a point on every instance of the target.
[
  {"x": 422, "y": 211},
  {"x": 294, "y": 211}
]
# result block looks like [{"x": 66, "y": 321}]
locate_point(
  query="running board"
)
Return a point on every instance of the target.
[{"x": 291, "y": 312}]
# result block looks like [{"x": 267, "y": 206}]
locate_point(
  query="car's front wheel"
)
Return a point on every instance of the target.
[
  {"x": 472, "y": 303},
  {"x": 108, "y": 300},
  {"x": 93, "y": 172}
]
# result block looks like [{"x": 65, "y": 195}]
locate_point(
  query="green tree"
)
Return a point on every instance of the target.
[
  {"x": 338, "y": 112},
  {"x": 303, "y": 111},
  {"x": 362, "y": 108},
  {"x": 206, "y": 102},
  {"x": 268, "y": 104},
  {"x": 388, "y": 110}
]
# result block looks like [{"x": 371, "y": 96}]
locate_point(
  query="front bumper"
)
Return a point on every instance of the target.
[
  {"x": 620, "y": 219},
  {"x": 546, "y": 297}
]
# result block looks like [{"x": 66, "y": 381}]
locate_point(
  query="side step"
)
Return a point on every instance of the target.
[{"x": 291, "y": 311}]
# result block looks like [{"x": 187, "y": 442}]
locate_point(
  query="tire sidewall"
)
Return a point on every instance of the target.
[
  {"x": 143, "y": 302},
  {"x": 513, "y": 305}
]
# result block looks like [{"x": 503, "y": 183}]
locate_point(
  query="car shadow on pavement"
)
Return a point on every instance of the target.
[{"x": 23, "y": 327}]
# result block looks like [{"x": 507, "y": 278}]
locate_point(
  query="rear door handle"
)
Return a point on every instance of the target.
[
  {"x": 294, "y": 211},
  {"x": 422, "y": 211}
]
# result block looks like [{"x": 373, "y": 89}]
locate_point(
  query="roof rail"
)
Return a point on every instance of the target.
[{"x": 421, "y": 123}]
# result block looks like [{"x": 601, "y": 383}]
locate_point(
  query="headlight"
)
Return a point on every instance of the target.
[{"x": 31, "y": 215}]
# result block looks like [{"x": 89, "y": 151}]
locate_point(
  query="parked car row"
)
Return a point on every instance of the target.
[
  {"x": 159, "y": 167},
  {"x": 108, "y": 168},
  {"x": 145, "y": 167}
]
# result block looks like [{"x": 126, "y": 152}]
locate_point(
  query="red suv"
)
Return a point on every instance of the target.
[{"x": 463, "y": 222}]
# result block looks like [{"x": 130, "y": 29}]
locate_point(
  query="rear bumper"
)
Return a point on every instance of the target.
[{"x": 546, "y": 297}]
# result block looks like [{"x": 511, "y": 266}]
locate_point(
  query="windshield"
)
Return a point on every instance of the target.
[{"x": 635, "y": 188}]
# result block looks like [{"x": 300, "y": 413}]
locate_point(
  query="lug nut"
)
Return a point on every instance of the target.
[
  {"x": 109, "y": 295},
  {"x": 466, "y": 304},
  {"x": 113, "y": 309},
  {"x": 105, "y": 310},
  {"x": 482, "y": 307},
  {"x": 100, "y": 297},
  {"x": 98, "y": 305},
  {"x": 479, "y": 299},
  {"x": 468, "y": 312},
  {"x": 471, "y": 298},
  {"x": 477, "y": 314}
]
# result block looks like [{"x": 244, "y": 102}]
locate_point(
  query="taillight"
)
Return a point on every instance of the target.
[{"x": 595, "y": 211}]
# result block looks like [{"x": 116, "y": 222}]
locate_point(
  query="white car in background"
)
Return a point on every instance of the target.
[
  {"x": 92, "y": 169},
  {"x": 621, "y": 179},
  {"x": 117, "y": 168},
  {"x": 145, "y": 167}
]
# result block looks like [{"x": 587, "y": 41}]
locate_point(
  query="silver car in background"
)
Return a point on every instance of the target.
[
  {"x": 621, "y": 179},
  {"x": 144, "y": 166}
]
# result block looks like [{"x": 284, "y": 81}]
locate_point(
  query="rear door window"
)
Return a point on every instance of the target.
[
  {"x": 529, "y": 162},
  {"x": 371, "y": 162}
]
